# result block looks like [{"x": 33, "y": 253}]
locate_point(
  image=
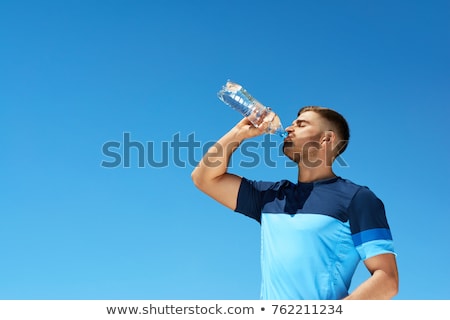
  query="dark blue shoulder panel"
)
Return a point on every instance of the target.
[{"x": 366, "y": 212}]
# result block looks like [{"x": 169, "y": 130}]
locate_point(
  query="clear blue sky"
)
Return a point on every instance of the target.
[{"x": 75, "y": 75}]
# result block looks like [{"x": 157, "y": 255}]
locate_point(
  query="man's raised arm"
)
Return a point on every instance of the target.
[{"x": 211, "y": 175}]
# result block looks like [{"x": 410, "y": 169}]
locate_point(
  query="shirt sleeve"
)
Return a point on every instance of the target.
[
  {"x": 368, "y": 224},
  {"x": 250, "y": 200}
]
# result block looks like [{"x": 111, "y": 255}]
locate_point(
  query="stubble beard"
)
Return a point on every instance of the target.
[
  {"x": 288, "y": 150},
  {"x": 307, "y": 153}
]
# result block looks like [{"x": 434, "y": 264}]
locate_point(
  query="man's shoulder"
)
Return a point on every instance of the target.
[
  {"x": 350, "y": 185},
  {"x": 341, "y": 190},
  {"x": 359, "y": 187},
  {"x": 348, "y": 182}
]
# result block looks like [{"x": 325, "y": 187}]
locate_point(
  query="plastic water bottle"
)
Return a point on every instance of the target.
[{"x": 239, "y": 99}]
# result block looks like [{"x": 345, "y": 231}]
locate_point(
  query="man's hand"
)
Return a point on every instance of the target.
[{"x": 245, "y": 129}]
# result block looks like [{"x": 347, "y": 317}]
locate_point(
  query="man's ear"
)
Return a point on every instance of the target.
[{"x": 328, "y": 136}]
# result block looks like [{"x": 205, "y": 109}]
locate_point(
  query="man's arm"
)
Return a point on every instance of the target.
[
  {"x": 383, "y": 283},
  {"x": 211, "y": 175}
]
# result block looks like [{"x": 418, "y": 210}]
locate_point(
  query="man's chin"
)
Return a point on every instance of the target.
[
  {"x": 287, "y": 144},
  {"x": 289, "y": 152}
]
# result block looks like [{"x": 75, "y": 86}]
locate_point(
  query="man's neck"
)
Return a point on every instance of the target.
[{"x": 308, "y": 174}]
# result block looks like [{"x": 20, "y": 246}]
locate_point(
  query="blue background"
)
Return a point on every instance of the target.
[{"x": 75, "y": 75}]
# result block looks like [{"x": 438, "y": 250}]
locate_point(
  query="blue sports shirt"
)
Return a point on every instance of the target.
[{"x": 313, "y": 235}]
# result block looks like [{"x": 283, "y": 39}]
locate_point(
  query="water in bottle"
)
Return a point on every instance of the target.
[{"x": 239, "y": 99}]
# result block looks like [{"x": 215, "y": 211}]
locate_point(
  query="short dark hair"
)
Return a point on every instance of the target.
[{"x": 342, "y": 128}]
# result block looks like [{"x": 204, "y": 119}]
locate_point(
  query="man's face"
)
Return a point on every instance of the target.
[{"x": 304, "y": 135}]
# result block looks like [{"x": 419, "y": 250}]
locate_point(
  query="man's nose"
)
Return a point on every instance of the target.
[{"x": 289, "y": 128}]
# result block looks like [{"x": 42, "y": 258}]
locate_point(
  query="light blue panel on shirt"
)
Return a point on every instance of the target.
[
  {"x": 290, "y": 240},
  {"x": 375, "y": 247}
]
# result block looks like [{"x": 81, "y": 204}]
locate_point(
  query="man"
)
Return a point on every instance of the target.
[{"x": 315, "y": 231}]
